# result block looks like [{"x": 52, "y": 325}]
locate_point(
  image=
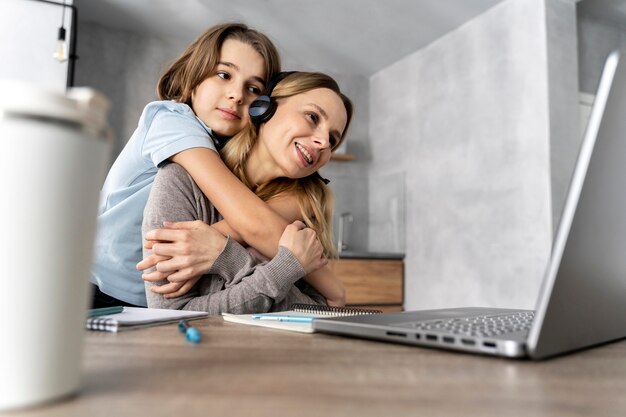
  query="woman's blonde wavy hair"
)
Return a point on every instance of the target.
[{"x": 315, "y": 198}]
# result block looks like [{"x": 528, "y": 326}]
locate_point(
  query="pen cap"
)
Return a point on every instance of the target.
[{"x": 193, "y": 335}]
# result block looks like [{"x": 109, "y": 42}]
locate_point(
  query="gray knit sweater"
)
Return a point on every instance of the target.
[{"x": 237, "y": 282}]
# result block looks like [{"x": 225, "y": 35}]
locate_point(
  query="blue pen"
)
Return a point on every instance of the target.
[
  {"x": 288, "y": 319},
  {"x": 191, "y": 333},
  {"x": 96, "y": 312}
]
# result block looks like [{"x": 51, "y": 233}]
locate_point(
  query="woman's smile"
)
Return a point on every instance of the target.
[{"x": 305, "y": 154}]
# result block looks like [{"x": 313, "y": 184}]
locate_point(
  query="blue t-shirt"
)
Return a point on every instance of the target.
[{"x": 165, "y": 129}]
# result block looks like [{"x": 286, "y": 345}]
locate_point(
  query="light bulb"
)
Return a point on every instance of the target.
[{"x": 60, "y": 53}]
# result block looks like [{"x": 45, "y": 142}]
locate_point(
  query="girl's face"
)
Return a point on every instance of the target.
[
  {"x": 298, "y": 139},
  {"x": 221, "y": 101}
]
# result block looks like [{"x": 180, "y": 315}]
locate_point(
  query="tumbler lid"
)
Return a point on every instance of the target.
[{"x": 80, "y": 105}]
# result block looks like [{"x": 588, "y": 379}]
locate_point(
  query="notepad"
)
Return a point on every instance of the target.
[
  {"x": 299, "y": 318},
  {"x": 136, "y": 317}
]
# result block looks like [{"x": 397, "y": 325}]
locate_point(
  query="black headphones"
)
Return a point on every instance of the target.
[{"x": 263, "y": 108}]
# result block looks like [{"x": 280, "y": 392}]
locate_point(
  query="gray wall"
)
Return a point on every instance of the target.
[
  {"x": 28, "y": 34},
  {"x": 349, "y": 180},
  {"x": 125, "y": 67},
  {"x": 596, "y": 39},
  {"x": 563, "y": 109},
  {"x": 468, "y": 128}
]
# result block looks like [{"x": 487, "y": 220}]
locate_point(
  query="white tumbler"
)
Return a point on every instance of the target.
[{"x": 54, "y": 156}]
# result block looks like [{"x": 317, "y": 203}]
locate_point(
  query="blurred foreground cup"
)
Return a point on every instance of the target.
[{"x": 54, "y": 156}]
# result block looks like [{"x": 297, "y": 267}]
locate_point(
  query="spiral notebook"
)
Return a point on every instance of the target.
[
  {"x": 138, "y": 317},
  {"x": 299, "y": 318}
]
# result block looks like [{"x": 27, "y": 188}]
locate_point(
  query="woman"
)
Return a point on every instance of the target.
[{"x": 278, "y": 159}]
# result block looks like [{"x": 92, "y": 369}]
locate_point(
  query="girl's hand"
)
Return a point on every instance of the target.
[
  {"x": 182, "y": 251},
  {"x": 304, "y": 245},
  {"x": 175, "y": 289},
  {"x": 151, "y": 261}
]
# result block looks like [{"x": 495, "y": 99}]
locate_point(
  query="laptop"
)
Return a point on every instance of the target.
[{"x": 582, "y": 301}]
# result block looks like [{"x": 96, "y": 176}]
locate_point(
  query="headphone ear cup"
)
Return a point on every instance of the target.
[{"x": 262, "y": 109}]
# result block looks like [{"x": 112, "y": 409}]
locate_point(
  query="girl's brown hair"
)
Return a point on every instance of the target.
[
  {"x": 314, "y": 197},
  {"x": 200, "y": 60}
]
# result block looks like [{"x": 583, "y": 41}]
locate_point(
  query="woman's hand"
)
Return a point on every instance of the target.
[
  {"x": 304, "y": 245},
  {"x": 181, "y": 251},
  {"x": 308, "y": 250}
]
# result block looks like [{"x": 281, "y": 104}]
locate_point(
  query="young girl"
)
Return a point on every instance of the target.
[
  {"x": 206, "y": 94},
  {"x": 280, "y": 163}
]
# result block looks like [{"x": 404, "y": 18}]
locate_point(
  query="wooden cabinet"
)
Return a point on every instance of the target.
[{"x": 372, "y": 283}]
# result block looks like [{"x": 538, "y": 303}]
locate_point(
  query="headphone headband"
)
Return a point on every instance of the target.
[{"x": 275, "y": 80}]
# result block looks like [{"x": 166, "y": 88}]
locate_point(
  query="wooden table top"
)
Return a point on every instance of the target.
[{"x": 240, "y": 370}]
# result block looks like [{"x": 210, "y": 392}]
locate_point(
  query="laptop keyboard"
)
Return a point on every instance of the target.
[{"x": 479, "y": 326}]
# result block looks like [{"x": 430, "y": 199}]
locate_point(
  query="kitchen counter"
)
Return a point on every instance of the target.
[
  {"x": 370, "y": 255},
  {"x": 372, "y": 279}
]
